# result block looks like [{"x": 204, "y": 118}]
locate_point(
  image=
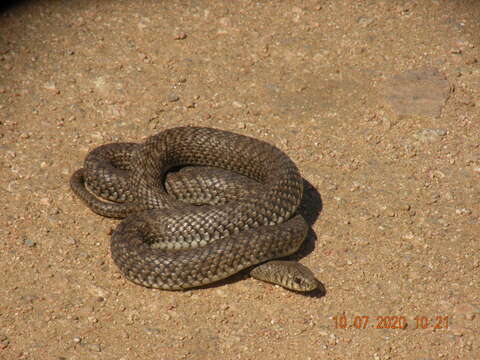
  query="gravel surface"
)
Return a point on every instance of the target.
[{"x": 376, "y": 101}]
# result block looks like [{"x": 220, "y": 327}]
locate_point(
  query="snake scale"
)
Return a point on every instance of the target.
[{"x": 199, "y": 205}]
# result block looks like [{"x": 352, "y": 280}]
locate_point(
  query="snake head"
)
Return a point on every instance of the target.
[{"x": 288, "y": 274}]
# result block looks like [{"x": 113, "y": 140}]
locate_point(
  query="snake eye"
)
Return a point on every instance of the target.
[{"x": 297, "y": 280}]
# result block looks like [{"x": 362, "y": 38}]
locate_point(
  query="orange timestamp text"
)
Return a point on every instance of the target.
[{"x": 437, "y": 322}]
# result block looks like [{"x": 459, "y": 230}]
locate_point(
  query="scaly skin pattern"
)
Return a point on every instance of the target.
[{"x": 247, "y": 214}]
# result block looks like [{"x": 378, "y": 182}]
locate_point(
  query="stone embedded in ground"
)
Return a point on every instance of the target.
[{"x": 420, "y": 92}]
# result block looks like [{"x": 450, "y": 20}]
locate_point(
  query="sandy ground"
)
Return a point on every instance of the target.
[{"x": 377, "y": 102}]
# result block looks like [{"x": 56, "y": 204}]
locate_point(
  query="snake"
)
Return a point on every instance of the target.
[{"x": 198, "y": 205}]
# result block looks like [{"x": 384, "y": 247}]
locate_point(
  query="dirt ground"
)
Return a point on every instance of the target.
[{"x": 376, "y": 101}]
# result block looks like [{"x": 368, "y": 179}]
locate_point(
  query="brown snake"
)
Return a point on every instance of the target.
[{"x": 235, "y": 209}]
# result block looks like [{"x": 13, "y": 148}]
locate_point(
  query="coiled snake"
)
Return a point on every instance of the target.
[{"x": 190, "y": 227}]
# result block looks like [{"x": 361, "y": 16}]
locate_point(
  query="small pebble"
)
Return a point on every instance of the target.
[
  {"x": 71, "y": 241},
  {"x": 51, "y": 87},
  {"x": 29, "y": 298},
  {"x": 94, "y": 347},
  {"x": 152, "y": 331},
  {"x": 430, "y": 135},
  {"x": 28, "y": 242},
  {"x": 181, "y": 36},
  {"x": 463, "y": 211},
  {"x": 173, "y": 98},
  {"x": 364, "y": 21}
]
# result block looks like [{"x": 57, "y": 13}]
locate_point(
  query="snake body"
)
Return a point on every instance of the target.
[{"x": 235, "y": 209}]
